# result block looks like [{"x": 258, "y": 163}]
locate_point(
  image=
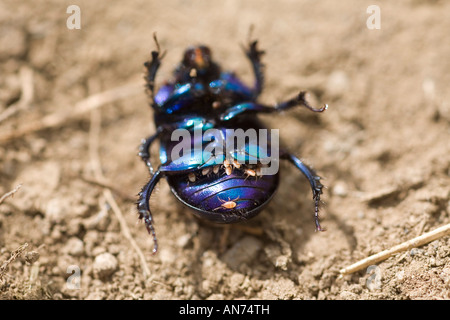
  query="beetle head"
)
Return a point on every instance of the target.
[{"x": 197, "y": 63}]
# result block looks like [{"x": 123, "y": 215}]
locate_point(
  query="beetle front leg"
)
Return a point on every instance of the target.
[
  {"x": 143, "y": 206},
  {"x": 258, "y": 67},
  {"x": 152, "y": 69},
  {"x": 314, "y": 181}
]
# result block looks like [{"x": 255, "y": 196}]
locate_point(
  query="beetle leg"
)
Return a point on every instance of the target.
[
  {"x": 299, "y": 101},
  {"x": 152, "y": 68},
  {"x": 314, "y": 181},
  {"x": 143, "y": 206},
  {"x": 248, "y": 107},
  {"x": 245, "y": 107},
  {"x": 254, "y": 55},
  {"x": 144, "y": 148},
  {"x": 258, "y": 67}
]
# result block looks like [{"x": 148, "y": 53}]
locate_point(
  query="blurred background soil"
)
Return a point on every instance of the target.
[{"x": 382, "y": 146}]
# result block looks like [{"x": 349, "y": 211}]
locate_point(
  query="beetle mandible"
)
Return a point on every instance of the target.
[{"x": 200, "y": 98}]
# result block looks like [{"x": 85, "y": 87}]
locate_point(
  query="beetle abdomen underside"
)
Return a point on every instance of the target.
[{"x": 224, "y": 198}]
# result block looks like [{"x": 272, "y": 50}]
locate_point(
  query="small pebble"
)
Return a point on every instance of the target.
[
  {"x": 105, "y": 265},
  {"x": 243, "y": 252},
  {"x": 340, "y": 189},
  {"x": 74, "y": 247},
  {"x": 184, "y": 240}
]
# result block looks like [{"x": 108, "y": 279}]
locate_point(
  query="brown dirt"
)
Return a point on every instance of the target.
[{"x": 383, "y": 146}]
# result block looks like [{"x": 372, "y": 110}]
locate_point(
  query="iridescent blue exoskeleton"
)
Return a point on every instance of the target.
[{"x": 223, "y": 187}]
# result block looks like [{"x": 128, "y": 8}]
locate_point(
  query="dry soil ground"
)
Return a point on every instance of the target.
[{"x": 383, "y": 147}]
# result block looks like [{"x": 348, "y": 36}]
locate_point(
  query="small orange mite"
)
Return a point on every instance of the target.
[
  {"x": 250, "y": 172},
  {"x": 226, "y": 163},
  {"x": 206, "y": 171},
  {"x": 230, "y": 204}
]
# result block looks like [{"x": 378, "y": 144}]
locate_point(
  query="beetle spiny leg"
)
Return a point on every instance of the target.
[
  {"x": 314, "y": 181},
  {"x": 152, "y": 68},
  {"x": 254, "y": 55},
  {"x": 143, "y": 206},
  {"x": 316, "y": 210},
  {"x": 151, "y": 230},
  {"x": 146, "y": 216}
]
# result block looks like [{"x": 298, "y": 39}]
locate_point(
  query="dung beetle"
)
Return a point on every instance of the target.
[{"x": 223, "y": 181}]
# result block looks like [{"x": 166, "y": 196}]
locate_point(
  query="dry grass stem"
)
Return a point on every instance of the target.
[
  {"x": 79, "y": 109},
  {"x": 14, "y": 255},
  {"x": 10, "y": 193},
  {"x": 96, "y": 164},
  {"x": 26, "y": 97},
  {"x": 383, "y": 255},
  {"x": 108, "y": 185}
]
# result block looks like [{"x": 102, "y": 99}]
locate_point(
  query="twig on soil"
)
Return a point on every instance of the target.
[
  {"x": 10, "y": 193},
  {"x": 80, "y": 108},
  {"x": 14, "y": 255},
  {"x": 107, "y": 185},
  {"x": 95, "y": 159},
  {"x": 383, "y": 255},
  {"x": 27, "y": 94}
]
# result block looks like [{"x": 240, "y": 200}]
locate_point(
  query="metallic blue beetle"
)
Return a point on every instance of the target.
[{"x": 223, "y": 187}]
